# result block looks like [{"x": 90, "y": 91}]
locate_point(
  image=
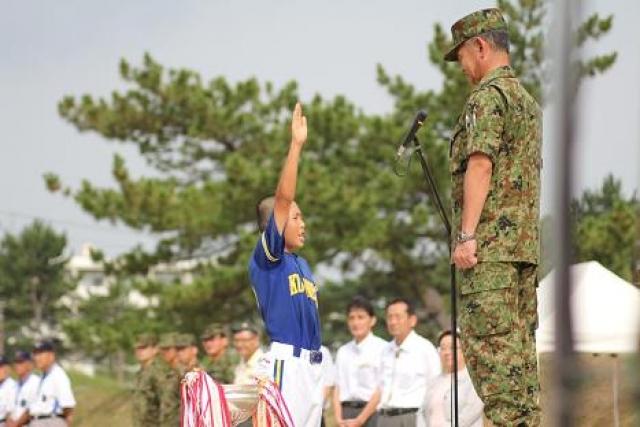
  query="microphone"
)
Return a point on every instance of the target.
[{"x": 418, "y": 121}]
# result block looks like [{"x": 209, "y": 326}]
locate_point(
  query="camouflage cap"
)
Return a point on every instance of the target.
[
  {"x": 168, "y": 340},
  {"x": 146, "y": 340},
  {"x": 245, "y": 326},
  {"x": 185, "y": 340},
  {"x": 473, "y": 25},
  {"x": 213, "y": 330}
]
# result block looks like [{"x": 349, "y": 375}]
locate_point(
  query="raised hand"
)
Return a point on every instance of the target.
[{"x": 298, "y": 126}]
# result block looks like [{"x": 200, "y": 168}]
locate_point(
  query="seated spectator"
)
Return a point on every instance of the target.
[{"x": 438, "y": 405}]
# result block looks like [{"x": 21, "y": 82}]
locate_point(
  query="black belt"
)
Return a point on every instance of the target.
[
  {"x": 44, "y": 417},
  {"x": 393, "y": 412},
  {"x": 355, "y": 404}
]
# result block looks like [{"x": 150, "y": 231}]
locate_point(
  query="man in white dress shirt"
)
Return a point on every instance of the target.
[
  {"x": 7, "y": 391},
  {"x": 27, "y": 386},
  {"x": 409, "y": 363},
  {"x": 54, "y": 402},
  {"x": 358, "y": 364},
  {"x": 437, "y": 402}
]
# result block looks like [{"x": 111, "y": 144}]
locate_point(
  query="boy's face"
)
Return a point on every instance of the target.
[
  {"x": 360, "y": 323},
  {"x": 294, "y": 233}
]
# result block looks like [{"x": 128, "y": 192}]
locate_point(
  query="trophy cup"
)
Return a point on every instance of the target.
[{"x": 242, "y": 401}]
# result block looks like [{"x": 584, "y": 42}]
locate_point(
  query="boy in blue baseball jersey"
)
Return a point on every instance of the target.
[{"x": 287, "y": 293}]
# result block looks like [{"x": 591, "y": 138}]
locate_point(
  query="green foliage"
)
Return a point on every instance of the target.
[
  {"x": 218, "y": 147},
  {"x": 32, "y": 279},
  {"x": 605, "y": 227}
]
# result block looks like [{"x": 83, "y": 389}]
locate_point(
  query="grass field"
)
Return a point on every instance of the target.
[{"x": 102, "y": 402}]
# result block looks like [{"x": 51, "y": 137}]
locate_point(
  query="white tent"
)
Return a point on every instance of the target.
[
  {"x": 605, "y": 311},
  {"x": 605, "y": 314}
]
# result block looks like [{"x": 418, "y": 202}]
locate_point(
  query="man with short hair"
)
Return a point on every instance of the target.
[
  {"x": 27, "y": 386},
  {"x": 220, "y": 361},
  {"x": 409, "y": 363},
  {"x": 496, "y": 159},
  {"x": 358, "y": 362},
  {"x": 246, "y": 341},
  {"x": 8, "y": 390},
  {"x": 54, "y": 403},
  {"x": 286, "y": 292}
]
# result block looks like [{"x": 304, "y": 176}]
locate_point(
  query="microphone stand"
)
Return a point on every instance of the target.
[{"x": 452, "y": 274}]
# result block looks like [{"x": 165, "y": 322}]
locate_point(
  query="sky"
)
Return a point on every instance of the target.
[{"x": 53, "y": 49}]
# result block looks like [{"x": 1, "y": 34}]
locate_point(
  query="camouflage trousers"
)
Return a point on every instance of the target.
[{"x": 498, "y": 318}]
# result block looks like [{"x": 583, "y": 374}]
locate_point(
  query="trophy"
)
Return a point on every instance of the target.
[{"x": 242, "y": 400}]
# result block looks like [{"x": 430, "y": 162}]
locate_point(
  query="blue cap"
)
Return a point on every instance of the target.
[
  {"x": 43, "y": 346},
  {"x": 21, "y": 356}
]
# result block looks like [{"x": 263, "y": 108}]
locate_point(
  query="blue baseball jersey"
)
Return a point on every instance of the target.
[{"x": 286, "y": 292}]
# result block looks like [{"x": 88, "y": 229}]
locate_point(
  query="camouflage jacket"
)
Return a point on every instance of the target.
[
  {"x": 156, "y": 399},
  {"x": 222, "y": 370},
  {"x": 504, "y": 122}
]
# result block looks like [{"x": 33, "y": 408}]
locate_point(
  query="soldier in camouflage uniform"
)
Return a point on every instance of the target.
[
  {"x": 187, "y": 354},
  {"x": 154, "y": 401},
  {"x": 220, "y": 361},
  {"x": 169, "y": 380},
  {"x": 495, "y": 168}
]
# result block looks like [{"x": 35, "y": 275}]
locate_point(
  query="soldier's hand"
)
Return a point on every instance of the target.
[
  {"x": 298, "y": 126},
  {"x": 465, "y": 254}
]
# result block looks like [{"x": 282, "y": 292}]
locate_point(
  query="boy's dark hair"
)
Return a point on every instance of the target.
[
  {"x": 360, "y": 303},
  {"x": 411, "y": 309},
  {"x": 264, "y": 209}
]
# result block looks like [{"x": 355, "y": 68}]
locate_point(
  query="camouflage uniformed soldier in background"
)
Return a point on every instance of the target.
[
  {"x": 168, "y": 348},
  {"x": 187, "y": 354},
  {"x": 495, "y": 168},
  {"x": 156, "y": 399},
  {"x": 220, "y": 361}
]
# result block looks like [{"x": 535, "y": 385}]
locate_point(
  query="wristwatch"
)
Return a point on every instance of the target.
[{"x": 463, "y": 237}]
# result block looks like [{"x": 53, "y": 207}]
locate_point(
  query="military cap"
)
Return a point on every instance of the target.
[
  {"x": 43, "y": 346},
  {"x": 185, "y": 340},
  {"x": 168, "y": 340},
  {"x": 146, "y": 340},
  {"x": 244, "y": 326},
  {"x": 21, "y": 356},
  {"x": 4, "y": 360},
  {"x": 213, "y": 330},
  {"x": 473, "y": 25}
]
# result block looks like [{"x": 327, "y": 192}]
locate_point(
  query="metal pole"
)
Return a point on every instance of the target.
[
  {"x": 564, "y": 366},
  {"x": 452, "y": 287},
  {"x": 616, "y": 376}
]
